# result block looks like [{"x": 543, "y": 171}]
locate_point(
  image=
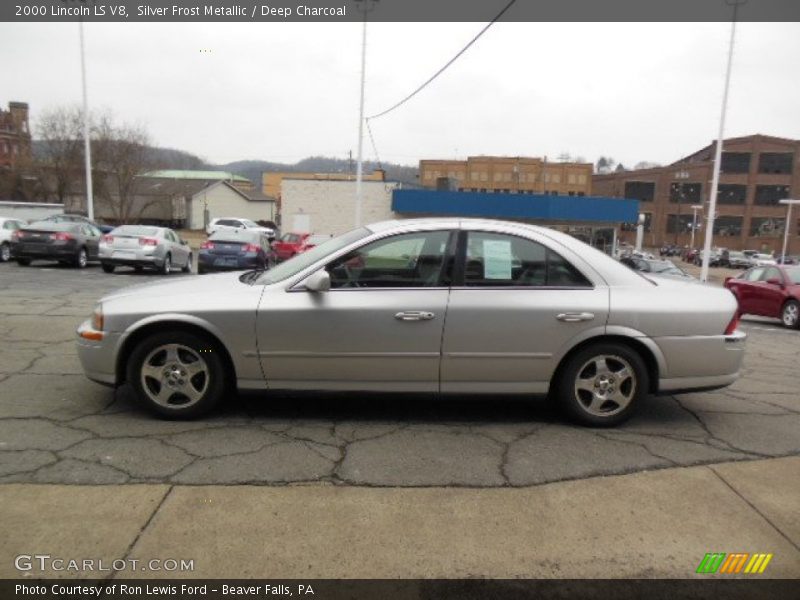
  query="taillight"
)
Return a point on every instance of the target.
[
  {"x": 148, "y": 242},
  {"x": 108, "y": 239},
  {"x": 250, "y": 248},
  {"x": 61, "y": 236},
  {"x": 734, "y": 324},
  {"x": 207, "y": 246}
]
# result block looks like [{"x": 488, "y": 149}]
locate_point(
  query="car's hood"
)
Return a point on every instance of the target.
[{"x": 180, "y": 286}]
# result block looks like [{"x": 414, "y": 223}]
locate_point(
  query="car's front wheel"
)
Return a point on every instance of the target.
[
  {"x": 108, "y": 268},
  {"x": 5, "y": 252},
  {"x": 603, "y": 384},
  {"x": 166, "y": 267},
  {"x": 790, "y": 314},
  {"x": 177, "y": 375}
]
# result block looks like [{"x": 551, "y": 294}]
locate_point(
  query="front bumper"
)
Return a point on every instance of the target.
[{"x": 99, "y": 357}]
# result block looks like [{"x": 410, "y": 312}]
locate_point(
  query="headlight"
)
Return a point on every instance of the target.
[{"x": 97, "y": 318}]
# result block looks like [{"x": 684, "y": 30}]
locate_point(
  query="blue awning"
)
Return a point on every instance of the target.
[{"x": 597, "y": 209}]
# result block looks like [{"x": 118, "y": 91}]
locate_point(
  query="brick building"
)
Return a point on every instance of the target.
[
  {"x": 15, "y": 134},
  {"x": 504, "y": 174},
  {"x": 756, "y": 172}
]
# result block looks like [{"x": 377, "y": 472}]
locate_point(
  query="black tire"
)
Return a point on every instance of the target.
[
  {"x": 201, "y": 270},
  {"x": 790, "y": 314},
  {"x": 107, "y": 268},
  {"x": 23, "y": 262},
  {"x": 81, "y": 259},
  {"x": 138, "y": 269},
  {"x": 209, "y": 387},
  {"x": 5, "y": 252},
  {"x": 187, "y": 268},
  {"x": 608, "y": 397},
  {"x": 166, "y": 266}
]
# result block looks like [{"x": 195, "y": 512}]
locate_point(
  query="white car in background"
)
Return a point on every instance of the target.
[
  {"x": 231, "y": 223},
  {"x": 7, "y": 227},
  {"x": 762, "y": 260}
]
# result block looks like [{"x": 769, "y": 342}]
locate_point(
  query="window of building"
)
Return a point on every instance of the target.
[
  {"x": 643, "y": 191},
  {"x": 766, "y": 226},
  {"x": 731, "y": 193},
  {"x": 735, "y": 162},
  {"x": 769, "y": 195},
  {"x": 685, "y": 193},
  {"x": 474, "y": 176},
  {"x": 571, "y": 178},
  {"x": 547, "y": 177},
  {"x": 556, "y": 177},
  {"x": 648, "y": 222},
  {"x": 775, "y": 162},
  {"x": 582, "y": 179},
  {"x": 484, "y": 176},
  {"x": 428, "y": 175},
  {"x": 727, "y": 226},
  {"x": 680, "y": 223},
  {"x": 498, "y": 177}
]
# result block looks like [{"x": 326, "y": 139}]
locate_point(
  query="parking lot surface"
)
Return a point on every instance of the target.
[{"x": 58, "y": 427}]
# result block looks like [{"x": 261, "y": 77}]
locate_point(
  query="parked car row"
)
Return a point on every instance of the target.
[{"x": 656, "y": 267}]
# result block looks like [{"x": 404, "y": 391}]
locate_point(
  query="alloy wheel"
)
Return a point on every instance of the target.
[
  {"x": 790, "y": 314},
  {"x": 174, "y": 375},
  {"x": 605, "y": 385}
]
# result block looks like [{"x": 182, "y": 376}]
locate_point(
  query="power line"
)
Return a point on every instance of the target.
[
  {"x": 444, "y": 68},
  {"x": 374, "y": 147}
]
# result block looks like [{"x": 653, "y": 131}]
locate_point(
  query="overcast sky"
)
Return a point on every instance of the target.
[{"x": 284, "y": 91}]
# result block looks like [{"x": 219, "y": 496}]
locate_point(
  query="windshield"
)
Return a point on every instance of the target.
[
  {"x": 250, "y": 223},
  {"x": 294, "y": 265}
]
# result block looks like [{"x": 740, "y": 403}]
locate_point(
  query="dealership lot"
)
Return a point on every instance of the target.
[{"x": 58, "y": 427}]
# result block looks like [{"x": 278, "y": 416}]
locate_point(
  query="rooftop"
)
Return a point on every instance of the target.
[{"x": 188, "y": 174}]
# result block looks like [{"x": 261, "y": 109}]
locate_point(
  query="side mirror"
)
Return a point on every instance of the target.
[{"x": 320, "y": 281}]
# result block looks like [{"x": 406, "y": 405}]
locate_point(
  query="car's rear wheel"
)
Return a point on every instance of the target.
[
  {"x": 107, "y": 268},
  {"x": 166, "y": 267},
  {"x": 5, "y": 252},
  {"x": 81, "y": 259},
  {"x": 603, "y": 384},
  {"x": 790, "y": 314},
  {"x": 177, "y": 375}
]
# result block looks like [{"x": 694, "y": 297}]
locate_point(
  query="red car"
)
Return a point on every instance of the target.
[
  {"x": 769, "y": 292},
  {"x": 296, "y": 243}
]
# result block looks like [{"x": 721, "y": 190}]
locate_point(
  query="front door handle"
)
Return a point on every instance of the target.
[
  {"x": 414, "y": 315},
  {"x": 575, "y": 317}
]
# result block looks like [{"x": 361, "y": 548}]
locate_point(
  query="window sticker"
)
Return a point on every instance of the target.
[{"x": 497, "y": 259}]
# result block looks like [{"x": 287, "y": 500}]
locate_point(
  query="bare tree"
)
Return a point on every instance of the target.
[
  {"x": 605, "y": 164},
  {"x": 122, "y": 153},
  {"x": 60, "y": 151}
]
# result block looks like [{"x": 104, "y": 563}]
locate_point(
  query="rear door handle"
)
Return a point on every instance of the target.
[
  {"x": 575, "y": 317},
  {"x": 414, "y": 315}
]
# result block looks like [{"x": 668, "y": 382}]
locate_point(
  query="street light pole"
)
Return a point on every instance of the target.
[
  {"x": 712, "y": 204},
  {"x": 87, "y": 146},
  {"x": 788, "y": 202},
  {"x": 695, "y": 208}
]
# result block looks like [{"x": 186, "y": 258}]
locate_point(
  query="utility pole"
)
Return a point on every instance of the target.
[{"x": 87, "y": 146}]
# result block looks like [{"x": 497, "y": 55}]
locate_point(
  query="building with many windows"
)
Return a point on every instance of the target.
[
  {"x": 757, "y": 171},
  {"x": 504, "y": 174},
  {"x": 15, "y": 134}
]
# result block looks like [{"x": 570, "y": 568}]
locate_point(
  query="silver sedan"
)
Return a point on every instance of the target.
[
  {"x": 454, "y": 306},
  {"x": 144, "y": 246}
]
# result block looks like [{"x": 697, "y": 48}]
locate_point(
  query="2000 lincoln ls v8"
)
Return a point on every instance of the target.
[{"x": 434, "y": 305}]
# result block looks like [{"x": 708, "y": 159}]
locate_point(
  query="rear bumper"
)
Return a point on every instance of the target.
[
  {"x": 701, "y": 362},
  {"x": 206, "y": 262},
  {"x": 54, "y": 252}
]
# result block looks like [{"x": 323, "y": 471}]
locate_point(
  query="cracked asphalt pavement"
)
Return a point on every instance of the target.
[{"x": 56, "y": 426}]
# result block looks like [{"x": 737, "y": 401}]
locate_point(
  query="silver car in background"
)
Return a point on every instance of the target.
[
  {"x": 231, "y": 223},
  {"x": 451, "y": 306},
  {"x": 144, "y": 246}
]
